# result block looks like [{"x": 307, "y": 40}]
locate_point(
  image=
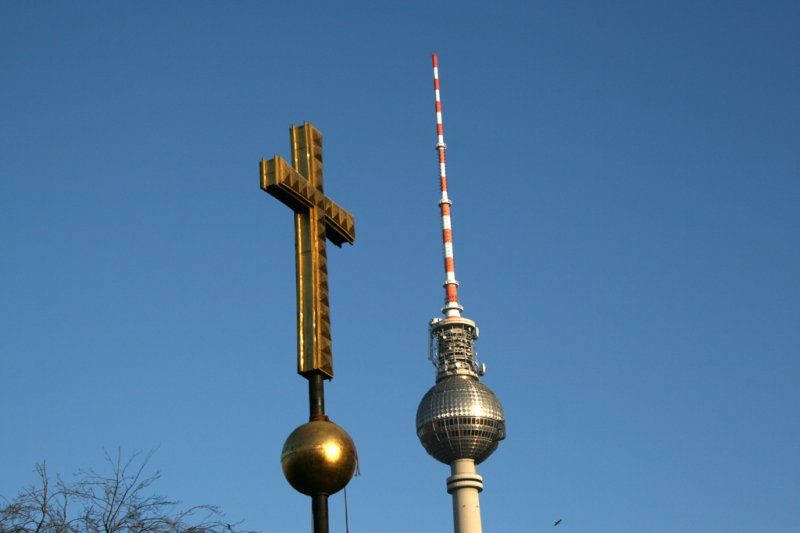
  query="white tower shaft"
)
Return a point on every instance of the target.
[{"x": 465, "y": 484}]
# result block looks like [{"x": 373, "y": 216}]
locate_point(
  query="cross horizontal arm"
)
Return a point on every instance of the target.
[
  {"x": 286, "y": 184},
  {"x": 279, "y": 179},
  {"x": 340, "y": 226}
]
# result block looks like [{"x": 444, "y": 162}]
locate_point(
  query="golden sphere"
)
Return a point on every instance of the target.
[{"x": 319, "y": 457}]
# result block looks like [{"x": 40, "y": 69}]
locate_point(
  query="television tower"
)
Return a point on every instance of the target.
[{"x": 460, "y": 421}]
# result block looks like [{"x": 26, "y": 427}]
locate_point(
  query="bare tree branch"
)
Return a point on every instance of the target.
[{"x": 115, "y": 503}]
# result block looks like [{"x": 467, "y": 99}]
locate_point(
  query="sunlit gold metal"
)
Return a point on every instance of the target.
[
  {"x": 317, "y": 217},
  {"x": 319, "y": 457}
]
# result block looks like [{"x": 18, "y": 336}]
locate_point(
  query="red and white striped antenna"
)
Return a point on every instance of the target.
[{"x": 451, "y": 307}]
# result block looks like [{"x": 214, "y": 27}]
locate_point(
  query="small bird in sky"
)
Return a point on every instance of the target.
[{"x": 556, "y": 522}]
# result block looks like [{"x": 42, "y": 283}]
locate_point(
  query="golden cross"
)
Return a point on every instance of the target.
[{"x": 316, "y": 217}]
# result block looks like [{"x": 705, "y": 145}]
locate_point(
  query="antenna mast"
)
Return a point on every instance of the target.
[{"x": 451, "y": 307}]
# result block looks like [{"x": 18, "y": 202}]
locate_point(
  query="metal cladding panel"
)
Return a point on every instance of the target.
[{"x": 460, "y": 418}]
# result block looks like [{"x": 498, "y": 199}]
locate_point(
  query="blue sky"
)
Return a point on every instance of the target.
[{"x": 626, "y": 217}]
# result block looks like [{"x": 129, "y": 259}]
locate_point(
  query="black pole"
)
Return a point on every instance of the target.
[
  {"x": 316, "y": 404},
  {"x": 319, "y": 508},
  {"x": 316, "y": 397}
]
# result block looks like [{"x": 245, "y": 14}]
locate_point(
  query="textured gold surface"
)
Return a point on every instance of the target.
[
  {"x": 283, "y": 182},
  {"x": 317, "y": 218},
  {"x": 319, "y": 457}
]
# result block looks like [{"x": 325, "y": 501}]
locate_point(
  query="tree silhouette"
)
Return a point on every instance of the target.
[{"x": 117, "y": 502}]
